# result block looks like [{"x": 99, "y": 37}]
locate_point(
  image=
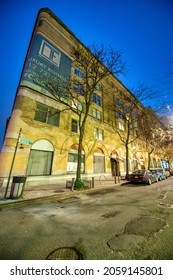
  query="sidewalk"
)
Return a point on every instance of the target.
[{"x": 32, "y": 194}]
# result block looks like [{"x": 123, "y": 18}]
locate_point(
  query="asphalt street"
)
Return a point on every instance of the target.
[{"x": 112, "y": 223}]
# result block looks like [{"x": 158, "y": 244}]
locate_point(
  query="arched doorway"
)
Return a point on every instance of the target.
[
  {"x": 40, "y": 158},
  {"x": 99, "y": 161}
]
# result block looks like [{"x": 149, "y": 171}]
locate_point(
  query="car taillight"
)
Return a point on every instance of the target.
[{"x": 141, "y": 176}]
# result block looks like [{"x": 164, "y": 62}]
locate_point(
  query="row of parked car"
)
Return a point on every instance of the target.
[{"x": 149, "y": 176}]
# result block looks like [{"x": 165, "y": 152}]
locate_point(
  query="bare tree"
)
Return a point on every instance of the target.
[
  {"x": 152, "y": 130},
  {"x": 128, "y": 115},
  {"x": 90, "y": 67}
]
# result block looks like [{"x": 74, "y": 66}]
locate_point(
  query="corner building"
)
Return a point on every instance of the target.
[{"x": 48, "y": 142}]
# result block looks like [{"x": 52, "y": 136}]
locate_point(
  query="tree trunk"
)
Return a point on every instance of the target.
[
  {"x": 79, "y": 161},
  {"x": 149, "y": 158},
  {"x": 81, "y": 135},
  {"x": 127, "y": 159}
]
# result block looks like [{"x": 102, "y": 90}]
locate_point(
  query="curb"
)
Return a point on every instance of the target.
[{"x": 59, "y": 196}]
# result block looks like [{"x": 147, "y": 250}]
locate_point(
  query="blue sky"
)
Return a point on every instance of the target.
[{"x": 143, "y": 30}]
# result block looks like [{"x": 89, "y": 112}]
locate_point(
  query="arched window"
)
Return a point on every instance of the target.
[
  {"x": 40, "y": 158},
  {"x": 99, "y": 161},
  {"x": 73, "y": 159}
]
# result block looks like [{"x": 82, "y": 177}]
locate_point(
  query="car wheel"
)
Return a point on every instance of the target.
[{"x": 149, "y": 181}]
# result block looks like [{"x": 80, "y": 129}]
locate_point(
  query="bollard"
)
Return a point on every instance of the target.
[
  {"x": 72, "y": 187},
  {"x": 92, "y": 182}
]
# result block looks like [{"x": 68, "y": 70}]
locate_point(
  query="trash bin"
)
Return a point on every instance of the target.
[{"x": 17, "y": 186}]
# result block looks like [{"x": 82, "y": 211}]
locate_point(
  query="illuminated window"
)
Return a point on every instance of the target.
[
  {"x": 77, "y": 105},
  {"x": 121, "y": 126}
]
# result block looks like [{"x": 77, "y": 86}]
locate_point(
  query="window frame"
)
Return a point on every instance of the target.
[
  {"x": 97, "y": 99},
  {"x": 121, "y": 126},
  {"x": 74, "y": 126},
  {"x": 48, "y": 113},
  {"x": 79, "y": 73},
  {"x": 97, "y": 114},
  {"x": 98, "y": 134}
]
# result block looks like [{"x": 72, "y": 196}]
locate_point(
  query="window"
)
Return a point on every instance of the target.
[
  {"x": 98, "y": 133},
  {"x": 79, "y": 88},
  {"x": 98, "y": 86},
  {"x": 121, "y": 126},
  {"x": 134, "y": 114},
  {"x": 135, "y": 124},
  {"x": 133, "y": 146},
  {"x": 137, "y": 134},
  {"x": 120, "y": 115},
  {"x": 40, "y": 158},
  {"x": 118, "y": 102},
  {"x": 131, "y": 131},
  {"x": 97, "y": 99},
  {"x": 47, "y": 115},
  {"x": 99, "y": 161},
  {"x": 74, "y": 126},
  {"x": 77, "y": 105},
  {"x": 79, "y": 73},
  {"x": 72, "y": 161},
  {"x": 139, "y": 147},
  {"x": 40, "y": 163},
  {"x": 127, "y": 109},
  {"x": 96, "y": 114}
]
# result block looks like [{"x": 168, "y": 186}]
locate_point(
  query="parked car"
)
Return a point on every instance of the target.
[
  {"x": 159, "y": 173},
  {"x": 143, "y": 176},
  {"x": 171, "y": 172},
  {"x": 167, "y": 172}
]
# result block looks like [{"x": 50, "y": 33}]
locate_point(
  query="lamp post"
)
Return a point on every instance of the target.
[{"x": 11, "y": 168}]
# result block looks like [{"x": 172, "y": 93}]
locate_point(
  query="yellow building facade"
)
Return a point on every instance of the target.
[{"x": 46, "y": 135}]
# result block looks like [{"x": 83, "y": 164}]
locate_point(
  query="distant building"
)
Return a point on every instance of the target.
[{"x": 48, "y": 144}]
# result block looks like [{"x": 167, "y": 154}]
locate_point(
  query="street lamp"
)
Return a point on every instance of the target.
[{"x": 11, "y": 168}]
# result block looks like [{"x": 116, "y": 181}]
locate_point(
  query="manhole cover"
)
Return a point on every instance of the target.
[{"x": 65, "y": 253}]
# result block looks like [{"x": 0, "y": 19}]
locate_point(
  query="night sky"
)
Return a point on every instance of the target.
[{"x": 142, "y": 30}]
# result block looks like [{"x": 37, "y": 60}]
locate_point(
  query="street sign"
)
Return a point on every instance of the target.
[{"x": 24, "y": 141}]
